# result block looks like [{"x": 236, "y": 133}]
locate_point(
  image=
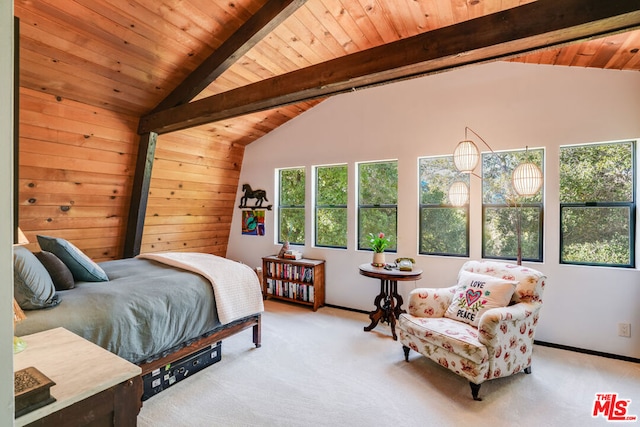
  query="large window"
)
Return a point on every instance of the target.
[
  {"x": 444, "y": 228},
  {"x": 331, "y": 206},
  {"x": 597, "y": 204},
  {"x": 291, "y": 208},
  {"x": 504, "y": 212},
  {"x": 378, "y": 202}
]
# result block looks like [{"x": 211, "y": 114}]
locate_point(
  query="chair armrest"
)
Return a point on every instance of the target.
[
  {"x": 430, "y": 302},
  {"x": 497, "y": 323}
]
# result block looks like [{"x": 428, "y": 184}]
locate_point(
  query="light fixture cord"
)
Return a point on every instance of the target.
[{"x": 467, "y": 128}]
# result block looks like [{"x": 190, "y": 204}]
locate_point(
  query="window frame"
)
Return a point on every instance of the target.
[
  {"x": 591, "y": 204},
  {"x": 282, "y": 206},
  {"x": 318, "y": 206},
  {"x": 425, "y": 206},
  {"x": 520, "y": 204},
  {"x": 360, "y": 207}
]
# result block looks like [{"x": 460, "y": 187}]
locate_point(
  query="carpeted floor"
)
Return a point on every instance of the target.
[{"x": 322, "y": 369}]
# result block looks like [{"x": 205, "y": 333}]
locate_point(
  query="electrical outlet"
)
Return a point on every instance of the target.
[{"x": 624, "y": 329}]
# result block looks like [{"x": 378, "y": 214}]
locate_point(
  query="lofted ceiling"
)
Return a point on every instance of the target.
[{"x": 127, "y": 56}]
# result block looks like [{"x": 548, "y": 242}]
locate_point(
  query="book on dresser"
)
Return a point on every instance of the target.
[{"x": 297, "y": 280}]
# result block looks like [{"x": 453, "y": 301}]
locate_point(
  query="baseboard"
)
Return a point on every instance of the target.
[
  {"x": 339, "y": 307},
  {"x": 591, "y": 352},
  {"x": 542, "y": 343}
]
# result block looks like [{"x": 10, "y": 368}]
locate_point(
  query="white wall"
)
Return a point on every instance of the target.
[
  {"x": 6, "y": 227},
  {"x": 511, "y": 106}
]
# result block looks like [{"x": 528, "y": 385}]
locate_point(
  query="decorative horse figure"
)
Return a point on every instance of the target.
[{"x": 259, "y": 195}]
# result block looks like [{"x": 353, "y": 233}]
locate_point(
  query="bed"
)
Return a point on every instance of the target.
[{"x": 152, "y": 310}]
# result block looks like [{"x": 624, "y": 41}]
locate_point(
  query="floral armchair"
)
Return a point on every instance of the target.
[{"x": 458, "y": 328}]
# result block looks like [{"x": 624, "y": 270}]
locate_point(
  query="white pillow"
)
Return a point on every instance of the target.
[{"x": 477, "y": 293}]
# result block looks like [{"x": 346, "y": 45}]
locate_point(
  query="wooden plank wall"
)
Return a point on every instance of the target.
[
  {"x": 193, "y": 192},
  {"x": 76, "y": 169},
  {"x": 75, "y": 174}
]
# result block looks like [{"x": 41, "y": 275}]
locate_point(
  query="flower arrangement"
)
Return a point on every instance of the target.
[{"x": 378, "y": 242}]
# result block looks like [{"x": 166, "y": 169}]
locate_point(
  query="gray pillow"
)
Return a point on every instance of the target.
[
  {"x": 81, "y": 266},
  {"x": 32, "y": 285},
  {"x": 59, "y": 272}
]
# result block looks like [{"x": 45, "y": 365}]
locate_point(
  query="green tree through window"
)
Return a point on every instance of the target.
[
  {"x": 378, "y": 202},
  {"x": 444, "y": 228},
  {"x": 501, "y": 207},
  {"x": 331, "y": 206},
  {"x": 597, "y": 204},
  {"x": 291, "y": 206}
]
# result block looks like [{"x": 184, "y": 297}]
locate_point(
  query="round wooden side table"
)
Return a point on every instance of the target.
[{"x": 388, "y": 303}]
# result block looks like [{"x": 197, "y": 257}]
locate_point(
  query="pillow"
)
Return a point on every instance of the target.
[
  {"x": 81, "y": 266},
  {"x": 32, "y": 285},
  {"x": 60, "y": 273},
  {"x": 477, "y": 293}
]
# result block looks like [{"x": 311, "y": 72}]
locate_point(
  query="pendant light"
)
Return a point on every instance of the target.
[
  {"x": 466, "y": 156},
  {"x": 458, "y": 194},
  {"x": 526, "y": 179}
]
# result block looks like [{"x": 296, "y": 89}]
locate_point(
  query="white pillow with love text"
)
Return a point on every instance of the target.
[{"x": 477, "y": 293}]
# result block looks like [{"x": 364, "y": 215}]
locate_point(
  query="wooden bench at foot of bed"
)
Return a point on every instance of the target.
[{"x": 219, "y": 333}]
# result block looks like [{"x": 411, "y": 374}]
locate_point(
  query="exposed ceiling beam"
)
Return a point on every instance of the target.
[
  {"x": 272, "y": 14},
  {"x": 538, "y": 25}
]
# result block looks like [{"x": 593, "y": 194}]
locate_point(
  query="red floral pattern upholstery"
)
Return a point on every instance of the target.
[{"x": 502, "y": 344}]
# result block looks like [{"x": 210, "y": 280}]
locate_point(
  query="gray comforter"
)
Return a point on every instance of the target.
[{"x": 143, "y": 310}]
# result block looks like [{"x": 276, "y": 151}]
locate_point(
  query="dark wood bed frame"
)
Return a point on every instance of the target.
[{"x": 217, "y": 334}]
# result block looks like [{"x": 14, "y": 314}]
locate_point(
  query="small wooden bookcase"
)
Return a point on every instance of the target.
[{"x": 300, "y": 281}]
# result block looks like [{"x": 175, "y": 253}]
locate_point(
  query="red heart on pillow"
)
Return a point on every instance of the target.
[{"x": 472, "y": 296}]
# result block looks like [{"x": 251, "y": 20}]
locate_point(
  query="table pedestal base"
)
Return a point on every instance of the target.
[{"x": 388, "y": 306}]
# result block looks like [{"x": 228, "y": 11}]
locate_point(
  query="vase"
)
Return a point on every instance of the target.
[{"x": 378, "y": 259}]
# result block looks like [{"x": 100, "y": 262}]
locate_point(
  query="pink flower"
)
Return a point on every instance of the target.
[{"x": 381, "y": 235}]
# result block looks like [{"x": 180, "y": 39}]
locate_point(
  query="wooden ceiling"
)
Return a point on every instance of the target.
[{"x": 128, "y": 56}]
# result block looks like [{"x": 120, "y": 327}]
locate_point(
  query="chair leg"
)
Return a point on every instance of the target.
[
  {"x": 527, "y": 370},
  {"x": 475, "y": 389},
  {"x": 406, "y": 353}
]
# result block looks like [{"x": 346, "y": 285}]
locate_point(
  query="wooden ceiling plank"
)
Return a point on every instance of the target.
[
  {"x": 334, "y": 29},
  {"x": 364, "y": 22},
  {"x": 303, "y": 53},
  {"x": 533, "y": 26},
  {"x": 348, "y": 24},
  {"x": 444, "y": 13},
  {"x": 608, "y": 49},
  {"x": 249, "y": 34},
  {"x": 294, "y": 26},
  {"x": 279, "y": 55},
  {"x": 627, "y": 51},
  {"x": 97, "y": 28},
  {"x": 322, "y": 35},
  {"x": 42, "y": 45},
  {"x": 419, "y": 22},
  {"x": 586, "y": 52},
  {"x": 59, "y": 83},
  {"x": 397, "y": 16},
  {"x": 380, "y": 18}
]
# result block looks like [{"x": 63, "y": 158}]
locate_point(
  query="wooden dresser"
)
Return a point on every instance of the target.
[{"x": 93, "y": 386}]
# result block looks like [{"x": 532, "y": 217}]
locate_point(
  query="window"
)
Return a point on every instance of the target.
[
  {"x": 597, "y": 204},
  {"x": 502, "y": 209},
  {"x": 378, "y": 202},
  {"x": 444, "y": 228},
  {"x": 291, "y": 209},
  {"x": 331, "y": 206}
]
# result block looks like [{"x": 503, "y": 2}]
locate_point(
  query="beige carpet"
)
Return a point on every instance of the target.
[{"x": 322, "y": 369}]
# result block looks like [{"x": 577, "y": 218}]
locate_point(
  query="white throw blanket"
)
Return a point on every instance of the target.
[{"x": 235, "y": 285}]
